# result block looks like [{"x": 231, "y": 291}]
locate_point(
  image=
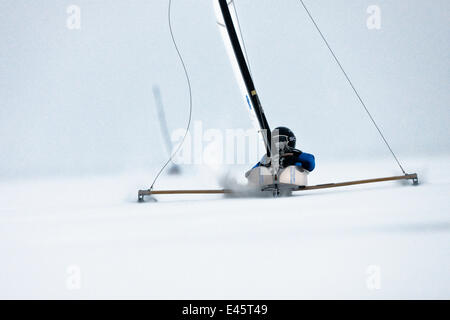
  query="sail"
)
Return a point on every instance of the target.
[{"x": 227, "y": 22}]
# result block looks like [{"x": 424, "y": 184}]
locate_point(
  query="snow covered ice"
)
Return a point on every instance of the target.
[{"x": 317, "y": 244}]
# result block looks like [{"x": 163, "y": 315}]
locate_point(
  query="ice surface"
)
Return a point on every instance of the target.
[{"x": 318, "y": 244}]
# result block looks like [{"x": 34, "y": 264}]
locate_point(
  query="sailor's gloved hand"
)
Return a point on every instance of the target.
[{"x": 285, "y": 162}]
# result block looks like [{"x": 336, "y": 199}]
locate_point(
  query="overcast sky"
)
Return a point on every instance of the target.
[{"x": 80, "y": 100}]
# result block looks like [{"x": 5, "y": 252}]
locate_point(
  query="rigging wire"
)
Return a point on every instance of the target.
[
  {"x": 351, "y": 84},
  {"x": 188, "y": 81},
  {"x": 240, "y": 33}
]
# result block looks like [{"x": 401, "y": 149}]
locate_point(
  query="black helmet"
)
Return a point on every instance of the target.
[{"x": 283, "y": 134}]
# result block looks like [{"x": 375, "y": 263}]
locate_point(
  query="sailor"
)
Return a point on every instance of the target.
[{"x": 283, "y": 149}]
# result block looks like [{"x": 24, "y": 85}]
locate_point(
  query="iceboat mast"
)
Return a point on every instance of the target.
[{"x": 245, "y": 73}]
